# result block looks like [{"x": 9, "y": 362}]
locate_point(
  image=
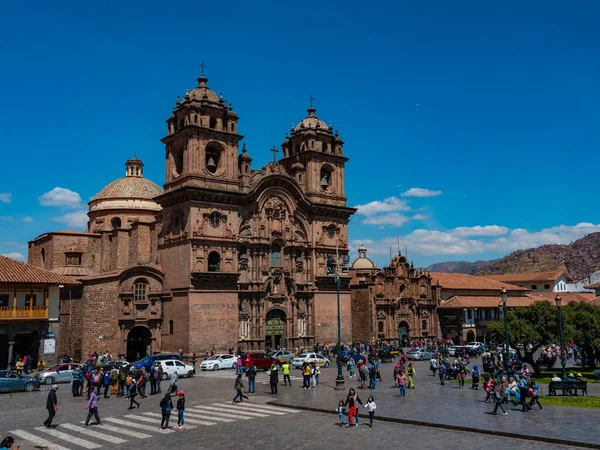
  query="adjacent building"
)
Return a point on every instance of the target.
[{"x": 553, "y": 281}]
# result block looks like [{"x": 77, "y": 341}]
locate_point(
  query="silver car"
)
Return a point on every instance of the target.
[
  {"x": 419, "y": 354},
  {"x": 60, "y": 373}
]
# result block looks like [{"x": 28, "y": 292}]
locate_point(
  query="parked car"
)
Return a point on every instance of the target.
[
  {"x": 172, "y": 366},
  {"x": 474, "y": 344},
  {"x": 112, "y": 364},
  {"x": 149, "y": 360},
  {"x": 260, "y": 360},
  {"x": 216, "y": 362},
  {"x": 419, "y": 354},
  {"x": 282, "y": 355},
  {"x": 384, "y": 356},
  {"x": 59, "y": 373},
  {"x": 11, "y": 381},
  {"x": 310, "y": 357},
  {"x": 452, "y": 351}
]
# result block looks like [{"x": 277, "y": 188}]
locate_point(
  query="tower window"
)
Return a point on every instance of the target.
[
  {"x": 325, "y": 178},
  {"x": 213, "y": 157},
  {"x": 140, "y": 290},
  {"x": 43, "y": 254},
  {"x": 215, "y": 219},
  {"x": 214, "y": 262},
  {"x": 115, "y": 223},
  {"x": 276, "y": 255},
  {"x": 243, "y": 252},
  {"x": 424, "y": 325},
  {"x": 380, "y": 327}
]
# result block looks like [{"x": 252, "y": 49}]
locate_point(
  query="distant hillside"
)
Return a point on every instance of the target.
[
  {"x": 580, "y": 258},
  {"x": 458, "y": 266}
]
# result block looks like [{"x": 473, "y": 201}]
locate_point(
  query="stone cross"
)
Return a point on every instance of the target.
[
  {"x": 311, "y": 98},
  {"x": 274, "y": 150}
]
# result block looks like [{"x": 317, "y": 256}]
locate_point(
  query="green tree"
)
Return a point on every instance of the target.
[{"x": 582, "y": 327}]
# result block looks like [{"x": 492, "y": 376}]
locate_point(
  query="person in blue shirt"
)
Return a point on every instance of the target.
[
  {"x": 77, "y": 385},
  {"x": 107, "y": 382}
]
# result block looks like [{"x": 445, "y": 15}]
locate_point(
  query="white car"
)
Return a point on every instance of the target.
[
  {"x": 172, "y": 366},
  {"x": 216, "y": 362},
  {"x": 310, "y": 357},
  {"x": 474, "y": 345}
]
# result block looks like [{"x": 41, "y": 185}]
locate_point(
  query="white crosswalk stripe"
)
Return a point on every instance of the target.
[
  {"x": 198, "y": 409},
  {"x": 238, "y": 412},
  {"x": 254, "y": 410},
  {"x": 67, "y": 437},
  {"x": 37, "y": 440},
  {"x": 197, "y": 415},
  {"x": 197, "y": 422},
  {"x": 269, "y": 408},
  {"x": 130, "y": 433},
  {"x": 92, "y": 433},
  {"x": 156, "y": 420},
  {"x": 137, "y": 426}
]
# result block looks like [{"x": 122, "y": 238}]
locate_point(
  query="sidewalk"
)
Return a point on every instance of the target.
[{"x": 434, "y": 405}]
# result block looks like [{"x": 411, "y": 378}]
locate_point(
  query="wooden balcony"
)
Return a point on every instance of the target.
[{"x": 23, "y": 312}]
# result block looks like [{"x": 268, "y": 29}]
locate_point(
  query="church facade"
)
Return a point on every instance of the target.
[{"x": 226, "y": 255}]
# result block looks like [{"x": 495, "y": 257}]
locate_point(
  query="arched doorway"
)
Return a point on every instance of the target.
[
  {"x": 470, "y": 336},
  {"x": 275, "y": 328},
  {"x": 138, "y": 343},
  {"x": 403, "y": 336}
]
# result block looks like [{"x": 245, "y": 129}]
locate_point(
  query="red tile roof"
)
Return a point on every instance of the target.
[
  {"x": 469, "y": 282},
  {"x": 524, "y": 277},
  {"x": 567, "y": 297},
  {"x": 593, "y": 286},
  {"x": 484, "y": 301},
  {"x": 17, "y": 272}
]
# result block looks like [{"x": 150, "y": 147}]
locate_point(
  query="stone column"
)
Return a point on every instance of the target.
[
  {"x": 11, "y": 346},
  {"x": 309, "y": 317}
]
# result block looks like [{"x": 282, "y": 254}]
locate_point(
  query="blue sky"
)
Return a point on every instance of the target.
[{"x": 487, "y": 109}]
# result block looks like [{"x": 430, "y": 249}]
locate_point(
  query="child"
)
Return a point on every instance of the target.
[
  {"x": 488, "y": 388},
  {"x": 370, "y": 405},
  {"x": 180, "y": 409},
  {"x": 475, "y": 384},
  {"x": 351, "y": 367},
  {"x": 533, "y": 392},
  {"x": 341, "y": 409}
]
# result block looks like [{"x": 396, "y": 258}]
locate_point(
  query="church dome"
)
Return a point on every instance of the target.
[
  {"x": 362, "y": 262},
  {"x": 312, "y": 121},
  {"x": 202, "y": 92}
]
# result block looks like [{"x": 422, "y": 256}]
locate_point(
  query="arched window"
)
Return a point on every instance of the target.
[
  {"x": 140, "y": 290},
  {"x": 213, "y": 122},
  {"x": 276, "y": 255},
  {"x": 170, "y": 327},
  {"x": 115, "y": 223},
  {"x": 214, "y": 262},
  {"x": 325, "y": 178},
  {"x": 243, "y": 252},
  {"x": 213, "y": 156},
  {"x": 380, "y": 327}
]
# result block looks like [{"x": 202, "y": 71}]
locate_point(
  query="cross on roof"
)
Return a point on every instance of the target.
[
  {"x": 311, "y": 98},
  {"x": 274, "y": 150},
  {"x": 203, "y": 67}
]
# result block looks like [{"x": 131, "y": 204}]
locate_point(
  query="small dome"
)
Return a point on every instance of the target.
[
  {"x": 245, "y": 156},
  {"x": 362, "y": 262},
  {"x": 130, "y": 187},
  {"x": 312, "y": 121},
  {"x": 202, "y": 92}
]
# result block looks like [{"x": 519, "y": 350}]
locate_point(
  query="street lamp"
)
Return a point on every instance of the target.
[
  {"x": 563, "y": 356},
  {"x": 340, "y": 383},
  {"x": 506, "y": 346}
]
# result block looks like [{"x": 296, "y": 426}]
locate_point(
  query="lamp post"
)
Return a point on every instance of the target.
[
  {"x": 506, "y": 345},
  {"x": 340, "y": 383},
  {"x": 563, "y": 357}
]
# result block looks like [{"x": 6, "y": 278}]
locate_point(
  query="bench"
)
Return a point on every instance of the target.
[
  {"x": 597, "y": 375},
  {"x": 567, "y": 387}
]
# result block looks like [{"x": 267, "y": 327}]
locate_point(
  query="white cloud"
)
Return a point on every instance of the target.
[
  {"x": 27, "y": 219},
  {"x": 60, "y": 197},
  {"x": 76, "y": 219},
  {"x": 388, "y": 205},
  {"x": 394, "y": 219},
  {"x": 419, "y": 192},
  {"x": 5, "y": 197},
  {"x": 420, "y": 217},
  {"x": 488, "y": 230},
  {"x": 15, "y": 244},
  {"x": 15, "y": 255},
  {"x": 6, "y": 218}
]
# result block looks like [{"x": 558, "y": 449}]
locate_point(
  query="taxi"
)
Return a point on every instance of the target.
[
  {"x": 283, "y": 355},
  {"x": 310, "y": 357}
]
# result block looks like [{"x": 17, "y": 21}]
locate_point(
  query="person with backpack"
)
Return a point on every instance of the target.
[
  {"x": 77, "y": 375},
  {"x": 498, "y": 394},
  {"x": 180, "y": 409},
  {"x": 462, "y": 374},
  {"x": 523, "y": 394},
  {"x": 251, "y": 375},
  {"x": 239, "y": 385},
  {"x": 166, "y": 406},
  {"x": 106, "y": 380},
  {"x": 121, "y": 379},
  {"x": 534, "y": 394},
  {"x": 114, "y": 380},
  {"x": 153, "y": 375},
  {"x": 132, "y": 393},
  {"x": 475, "y": 380}
]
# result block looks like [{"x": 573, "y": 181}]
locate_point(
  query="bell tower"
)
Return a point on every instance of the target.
[
  {"x": 313, "y": 152},
  {"x": 202, "y": 142}
]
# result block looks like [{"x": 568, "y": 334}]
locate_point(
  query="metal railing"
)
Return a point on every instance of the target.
[{"x": 23, "y": 312}]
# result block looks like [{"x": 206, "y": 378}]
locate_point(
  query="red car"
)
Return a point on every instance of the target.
[{"x": 260, "y": 360}]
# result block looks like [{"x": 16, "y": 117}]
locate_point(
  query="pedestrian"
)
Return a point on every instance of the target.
[
  {"x": 51, "y": 405},
  {"x": 488, "y": 387},
  {"x": 274, "y": 379},
  {"x": 317, "y": 373},
  {"x": 92, "y": 407},
  {"x": 285, "y": 368},
  {"x": 77, "y": 375},
  {"x": 351, "y": 365},
  {"x": 523, "y": 391},
  {"x": 372, "y": 377},
  {"x": 305, "y": 375},
  {"x": 411, "y": 372},
  {"x": 313, "y": 375},
  {"x": 239, "y": 362},
  {"x": 341, "y": 409},
  {"x": 533, "y": 392},
  {"x": 401, "y": 381},
  {"x": 251, "y": 375},
  {"x": 159, "y": 376},
  {"x": 433, "y": 365},
  {"x": 153, "y": 375},
  {"x": 371, "y": 406},
  {"x": 194, "y": 361},
  {"x": 180, "y": 409},
  {"x": 498, "y": 398},
  {"x": 141, "y": 382},
  {"x": 166, "y": 406},
  {"x": 7, "y": 443},
  {"x": 462, "y": 373},
  {"x": 107, "y": 382},
  {"x": 475, "y": 375},
  {"x": 174, "y": 383},
  {"x": 132, "y": 393},
  {"x": 351, "y": 400},
  {"x": 239, "y": 385},
  {"x": 442, "y": 373},
  {"x": 114, "y": 380}
]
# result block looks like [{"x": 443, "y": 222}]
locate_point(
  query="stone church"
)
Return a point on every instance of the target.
[
  {"x": 397, "y": 302},
  {"x": 226, "y": 255}
]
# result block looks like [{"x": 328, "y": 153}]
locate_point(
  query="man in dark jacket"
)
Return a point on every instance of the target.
[
  {"x": 51, "y": 406},
  {"x": 274, "y": 379}
]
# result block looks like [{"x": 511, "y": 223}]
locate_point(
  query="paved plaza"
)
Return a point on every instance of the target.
[{"x": 432, "y": 415}]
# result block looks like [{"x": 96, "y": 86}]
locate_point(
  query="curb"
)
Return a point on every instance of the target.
[{"x": 419, "y": 423}]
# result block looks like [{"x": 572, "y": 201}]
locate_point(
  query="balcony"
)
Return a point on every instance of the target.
[{"x": 23, "y": 312}]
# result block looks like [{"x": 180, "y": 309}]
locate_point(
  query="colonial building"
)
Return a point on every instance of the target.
[
  {"x": 29, "y": 299},
  {"x": 397, "y": 302},
  {"x": 555, "y": 281},
  {"x": 227, "y": 255}
]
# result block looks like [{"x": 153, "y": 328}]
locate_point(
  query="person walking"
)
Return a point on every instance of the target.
[
  {"x": 132, "y": 393},
  {"x": 92, "y": 407},
  {"x": 159, "y": 376},
  {"x": 7, "y": 443},
  {"x": 433, "y": 365},
  {"x": 166, "y": 406},
  {"x": 51, "y": 405},
  {"x": 341, "y": 409},
  {"x": 498, "y": 398},
  {"x": 107, "y": 382},
  {"x": 141, "y": 382},
  {"x": 77, "y": 375},
  {"x": 442, "y": 373},
  {"x": 239, "y": 385},
  {"x": 174, "y": 386},
  {"x": 274, "y": 379},
  {"x": 121, "y": 379},
  {"x": 285, "y": 368},
  {"x": 371, "y": 406},
  {"x": 533, "y": 392},
  {"x": 180, "y": 408},
  {"x": 475, "y": 375},
  {"x": 153, "y": 375},
  {"x": 351, "y": 401},
  {"x": 350, "y": 366},
  {"x": 523, "y": 394},
  {"x": 402, "y": 381},
  {"x": 411, "y": 372}
]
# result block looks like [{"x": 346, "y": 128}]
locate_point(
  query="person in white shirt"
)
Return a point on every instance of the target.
[
  {"x": 370, "y": 405},
  {"x": 512, "y": 389}
]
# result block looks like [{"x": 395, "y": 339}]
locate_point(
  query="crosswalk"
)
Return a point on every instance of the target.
[
  {"x": 126, "y": 429},
  {"x": 261, "y": 377}
]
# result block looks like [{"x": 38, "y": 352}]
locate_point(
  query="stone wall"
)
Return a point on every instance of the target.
[
  {"x": 326, "y": 316},
  {"x": 213, "y": 320},
  {"x": 362, "y": 305}
]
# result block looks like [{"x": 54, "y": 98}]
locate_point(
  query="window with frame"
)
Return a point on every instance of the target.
[
  {"x": 546, "y": 286},
  {"x": 170, "y": 327},
  {"x": 31, "y": 300},
  {"x": 380, "y": 327},
  {"x": 140, "y": 291},
  {"x": 276, "y": 255},
  {"x": 73, "y": 259},
  {"x": 214, "y": 262}
]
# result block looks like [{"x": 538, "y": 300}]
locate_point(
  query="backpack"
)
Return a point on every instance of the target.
[
  {"x": 163, "y": 403},
  {"x": 88, "y": 375}
]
